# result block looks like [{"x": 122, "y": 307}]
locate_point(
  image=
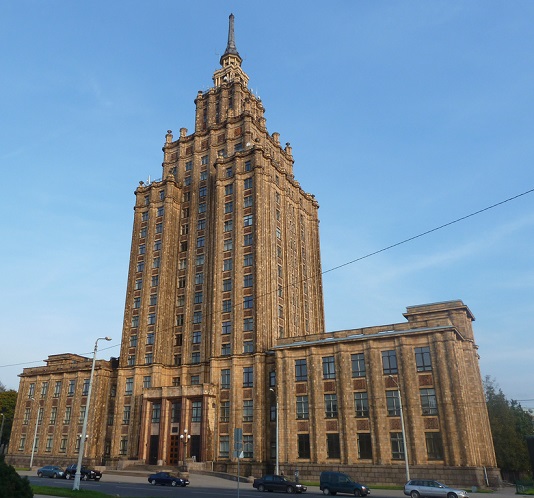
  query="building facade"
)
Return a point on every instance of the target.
[{"x": 224, "y": 329}]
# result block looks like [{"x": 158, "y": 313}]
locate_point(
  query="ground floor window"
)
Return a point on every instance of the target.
[
  {"x": 248, "y": 446},
  {"x": 123, "y": 447},
  {"x": 397, "y": 446},
  {"x": 224, "y": 447},
  {"x": 332, "y": 444},
  {"x": 434, "y": 446},
  {"x": 303, "y": 445},
  {"x": 365, "y": 449}
]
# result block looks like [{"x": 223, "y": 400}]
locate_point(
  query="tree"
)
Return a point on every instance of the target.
[
  {"x": 11, "y": 484},
  {"x": 8, "y": 401},
  {"x": 510, "y": 425}
]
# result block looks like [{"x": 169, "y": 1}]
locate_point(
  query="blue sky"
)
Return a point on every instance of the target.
[{"x": 402, "y": 116}]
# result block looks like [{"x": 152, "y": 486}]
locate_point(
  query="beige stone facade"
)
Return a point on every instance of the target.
[{"x": 224, "y": 323}]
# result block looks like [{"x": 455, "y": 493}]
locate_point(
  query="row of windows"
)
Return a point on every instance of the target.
[
  {"x": 71, "y": 388},
  {"x": 67, "y": 415},
  {"x": 389, "y": 364}
]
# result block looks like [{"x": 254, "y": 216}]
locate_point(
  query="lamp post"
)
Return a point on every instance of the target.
[
  {"x": 403, "y": 430},
  {"x": 78, "y": 475},
  {"x": 277, "y": 432},
  {"x": 34, "y": 434},
  {"x": 185, "y": 437}
]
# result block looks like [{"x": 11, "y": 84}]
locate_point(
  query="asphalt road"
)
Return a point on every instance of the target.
[{"x": 201, "y": 486}]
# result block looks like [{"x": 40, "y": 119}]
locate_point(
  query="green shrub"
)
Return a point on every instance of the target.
[{"x": 11, "y": 484}]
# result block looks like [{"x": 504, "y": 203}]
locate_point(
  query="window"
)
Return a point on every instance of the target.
[
  {"x": 280, "y": 311},
  {"x": 199, "y": 260},
  {"x": 227, "y": 305},
  {"x": 142, "y": 249},
  {"x": 156, "y": 413},
  {"x": 161, "y": 195},
  {"x": 365, "y": 449},
  {"x": 247, "y": 280},
  {"x": 423, "y": 360},
  {"x": 225, "y": 378},
  {"x": 200, "y": 242},
  {"x": 228, "y": 207},
  {"x": 135, "y": 321},
  {"x": 160, "y": 211},
  {"x": 329, "y": 368},
  {"x": 197, "y": 317},
  {"x": 227, "y": 284},
  {"x": 48, "y": 446},
  {"x": 199, "y": 278},
  {"x": 203, "y": 175},
  {"x": 238, "y": 147},
  {"x": 361, "y": 405},
  {"x": 196, "y": 414},
  {"x": 278, "y": 233},
  {"x": 176, "y": 412},
  {"x": 126, "y": 413},
  {"x": 85, "y": 387},
  {"x": 197, "y": 336},
  {"x": 429, "y": 404},
  {"x": 247, "y": 239},
  {"x": 68, "y": 415},
  {"x": 248, "y": 377},
  {"x": 332, "y": 445},
  {"x": 358, "y": 365},
  {"x": 71, "y": 387},
  {"x": 185, "y": 210},
  {"x": 248, "y": 324},
  {"x": 151, "y": 319},
  {"x": 181, "y": 283},
  {"x": 156, "y": 262},
  {"x": 272, "y": 378},
  {"x": 248, "y": 166},
  {"x": 137, "y": 302},
  {"x": 187, "y": 181},
  {"x": 392, "y": 401},
  {"x": 248, "y": 220},
  {"x": 248, "y": 302},
  {"x": 57, "y": 389},
  {"x": 155, "y": 280},
  {"x": 226, "y": 349},
  {"x": 189, "y": 165},
  {"x": 159, "y": 227},
  {"x": 229, "y": 171},
  {"x": 131, "y": 360},
  {"x": 248, "y": 259},
  {"x": 201, "y": 224},
  {"x": 389, "y": 362},
  {"x": 149, "y": 358},
  {"x": 198, "y": 297},
  {"x": 248, "y": 410},
  {"x": 40, "y": 414},
  {"x": 147, "y": 382},
  {"x": 303, "y": 444},
  {"x": 227, "y": 264},
  {"x": 434, "y": 445},
  {"x": 184, "y": 229},
  {"x": 228, "y": 225},
  {"x": 202, "y": 191},
  {"x": 204, "y": 160},
  {"x": 330, "y": 405},
  {"x": 144, "y": 216},
  {"x": 179, "y": 320},
  {"x": 150, "y": 338},
  {"x": 226, "y": 327},
  {"x": 280, "y": 272},
  {"x": 248, "y": 183},
  {"x": 248, "y": 446},
  {"x": 177, "y": 360},
  {"x": 123, "y": 445},
  {"x": 153, "y": 299},
  {"x": 26, "y": 416},
  {"x": 397, "y": 446},
  {"x": 138, "y": 284},
  {"x": 176, "y": 381},
  {"x": 129, "y": 386},
  {"x": 228, "y": 244},
  {"x": 229, "y": 189},
  {"x": 140, "y": 266},
  {"x": 248, "y": 347},
  {"x": 302, "y": 407},
  {"x": 224, "y": 447},
  {"x": 202, "y": 207},
  {"x": 53, "y": 415},
  {"x": 301, "y": 371},
  {"x": 142, "y": 233},
  {"x": 248, "y": 201},
  {"x": 195, "y": 357}
]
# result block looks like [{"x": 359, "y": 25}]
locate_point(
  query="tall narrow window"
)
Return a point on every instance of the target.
[
  {"x": 389, "y": 362},
  {"x": 423, "y": 360},
  {"x": 358, "y": 365},
  {"x": 329, "y": 368}
]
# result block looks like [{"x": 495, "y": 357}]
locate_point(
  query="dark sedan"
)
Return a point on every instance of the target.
[
  {"x": 164, "y": 478},
  {"x": 52, "y": 471},
  {"x": 272, "y": 482}
]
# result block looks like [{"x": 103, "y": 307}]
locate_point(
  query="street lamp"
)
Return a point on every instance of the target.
[
  {"x": 34, "y": 434},
  {"x": 78, "y": 475},
  {"x": 185, "y": 437},
  {"x": 277, "y": 432},
  {"x": 403, "y": 430}
]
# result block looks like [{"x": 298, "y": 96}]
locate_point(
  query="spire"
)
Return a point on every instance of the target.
[{"x": 230, "y": 46}]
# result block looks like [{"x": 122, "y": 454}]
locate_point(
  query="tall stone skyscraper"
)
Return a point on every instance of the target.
[{"x": 224, "y": 262}]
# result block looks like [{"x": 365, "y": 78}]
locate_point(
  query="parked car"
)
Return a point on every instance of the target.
[
  {"x": 52, "y": 471},
  {"x": 86, "y": 473},
  {"x": 426, "y": 488},
  {"x": 164, "y": 478},
  {"x": 271, "y": 482},
  {"x": 337, "y": 482}
]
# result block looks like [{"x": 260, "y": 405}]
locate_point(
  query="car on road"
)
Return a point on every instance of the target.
[
  {"x": 85, "y": 473},
  {"x": 52, "y": 471},
  {"x": 272, "y": 482},
  {"x": 165, "y": 478},
  {"x": 416, "y": 488},
  {"x": 331, "y": 483}
]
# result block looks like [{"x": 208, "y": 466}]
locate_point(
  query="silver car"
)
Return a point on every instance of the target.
[{"x": 417, "y": 488}]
